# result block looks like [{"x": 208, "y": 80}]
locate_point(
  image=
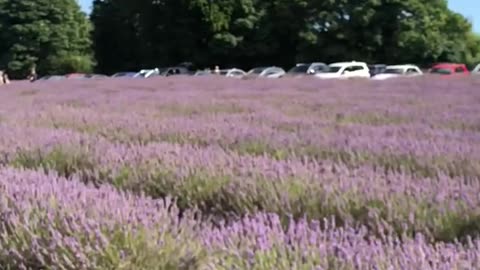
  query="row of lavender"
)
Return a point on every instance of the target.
[
  {"x": 399, "y": 160},
  {"x": 417, "y": 129},
  {"x": 224, "y": 183},
  {"x": 52, "y": 223}
]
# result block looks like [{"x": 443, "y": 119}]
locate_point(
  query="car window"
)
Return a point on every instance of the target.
[
  {"x": 412, "y": 71},
  {"x": 319, "y": 68},
  {"x": 334, "y": 69},
  {"x": 459, "y": 70},
  {"x": 270, "y": 72},
  {"x": 441, "y": 71},
  {"x": 354, "y": 68},
  {"x": 302, "y": 68},
  {"x": 393, "y": 71}
]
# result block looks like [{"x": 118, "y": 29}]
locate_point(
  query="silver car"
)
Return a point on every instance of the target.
[{"x": 266, "y": 72}]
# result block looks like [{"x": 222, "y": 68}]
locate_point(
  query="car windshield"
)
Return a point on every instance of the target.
[
  {"x": 223, "y": 72},
  {"x": 441, "y": 71},
  {"x": 393, "y": 71},
  {"x": 299, "y": 69},
  {"x": 163, "y": 71},
  {"x": 257, "y": 70},
  {"x": 333, "y": 69}
]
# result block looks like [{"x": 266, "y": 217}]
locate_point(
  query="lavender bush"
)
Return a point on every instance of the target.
[
  {"x": 53, "y": 223},
  {"x": 392, "y": 166}
]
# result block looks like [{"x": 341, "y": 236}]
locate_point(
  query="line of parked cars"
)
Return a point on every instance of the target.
[{"x": 339, "y": 70}]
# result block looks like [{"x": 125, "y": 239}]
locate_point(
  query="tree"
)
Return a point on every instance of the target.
[
  {"x": 116, "y": 34},
  {"x": 42, "y": 33},
  {"x": 132, "y": 34}
]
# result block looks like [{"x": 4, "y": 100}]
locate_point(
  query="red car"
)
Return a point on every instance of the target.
[{"x": 449, "y": 69}]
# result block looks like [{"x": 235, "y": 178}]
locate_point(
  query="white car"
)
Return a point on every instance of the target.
[
  {"x": 233, "y": 73},
  {"x": 266, "y": 72},
  {"x": 476, "y": 70},
  {"x": 398, "y": 71},
  {"x": 345, "y": 70},
  {"x": 147, "y": 73}
]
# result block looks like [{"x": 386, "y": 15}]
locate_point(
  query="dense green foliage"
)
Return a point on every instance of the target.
[
  {"x": 52, "y": 34},
  {"x": 243, "y": 33}
]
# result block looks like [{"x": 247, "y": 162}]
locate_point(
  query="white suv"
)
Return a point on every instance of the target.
[{"x": 345, "y": 70}]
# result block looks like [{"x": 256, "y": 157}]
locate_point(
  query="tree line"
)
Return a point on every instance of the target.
[{"x": 122, "y": 35}]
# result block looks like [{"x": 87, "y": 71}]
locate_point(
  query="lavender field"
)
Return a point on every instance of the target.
[{"x": 212, "y": 173}]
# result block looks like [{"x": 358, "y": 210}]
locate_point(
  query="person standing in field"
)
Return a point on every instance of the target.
[
  {"x": 33, "y": 74},
  {"x": 4, "y": 77}
]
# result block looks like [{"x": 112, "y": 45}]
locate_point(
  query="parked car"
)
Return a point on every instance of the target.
[
  {"x": 398, "y": 71},
  {"x": 307, "y": 69},
  {"x": 124, "y": 75},
  {"x": 233, "y": 73},
  {"x": 449, "y": 69},
  {"x": 202, "y": 72},
  {"x": 172, "y": 71},
  {"x": 266, "y": 72},
  {"x": 476, "y": 70},
  {"x": 95, "y": 76},
  {"x": 345, "y": 70},
  {"x": 147, "y": 73},
  {"x": 376, "y": 69},
  {"x": 51, "y": 78}
]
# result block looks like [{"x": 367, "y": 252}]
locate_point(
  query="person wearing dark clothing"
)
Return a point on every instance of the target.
[{"x": 4, "y": 78}]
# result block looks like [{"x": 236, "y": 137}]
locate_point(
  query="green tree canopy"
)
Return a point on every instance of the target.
[{"x": 45, "y": 33}]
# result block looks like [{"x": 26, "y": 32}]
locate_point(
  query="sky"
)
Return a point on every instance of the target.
[{"x": 468, "y": 8}]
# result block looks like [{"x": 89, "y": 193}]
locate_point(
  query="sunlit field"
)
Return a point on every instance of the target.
[{"x": 216, "y": 173}]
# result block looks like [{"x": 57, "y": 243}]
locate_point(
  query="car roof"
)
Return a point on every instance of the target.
[
  {"x": 230, "y": 69},
  {"x": 440, "y": 65},
  {"x": 310, "y": 63},
  {"x": 402, "y": 66},
  {"x": 341, "y": 64}
]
